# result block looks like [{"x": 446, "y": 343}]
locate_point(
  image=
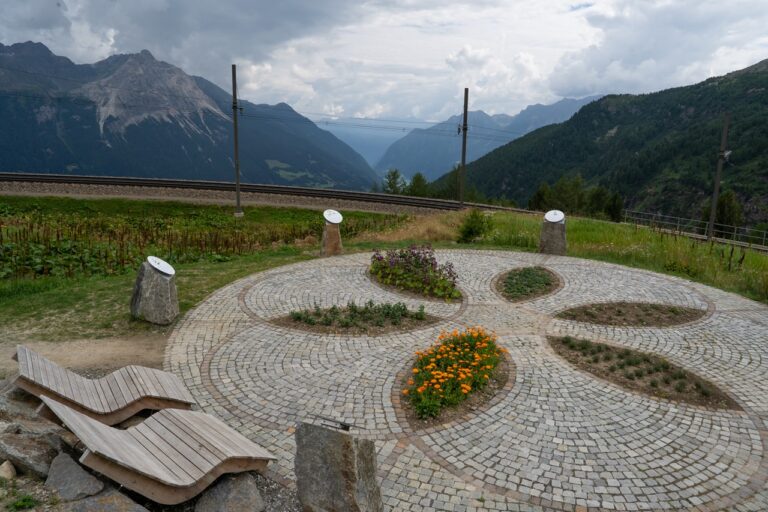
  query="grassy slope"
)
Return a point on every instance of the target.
[{"x": 97, "y": 307}]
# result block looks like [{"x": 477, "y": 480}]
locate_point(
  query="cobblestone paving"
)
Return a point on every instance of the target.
[{"x": 555, "y": 439}]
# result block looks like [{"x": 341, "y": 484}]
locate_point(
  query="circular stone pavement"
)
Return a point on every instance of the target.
[{"x": 555, "y": 438}]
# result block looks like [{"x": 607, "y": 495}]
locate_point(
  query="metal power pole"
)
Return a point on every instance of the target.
[
  {"x": 718, "y": 174},
  {"x": 463, "y": 147},
  {"x": 238, "y": 208}
]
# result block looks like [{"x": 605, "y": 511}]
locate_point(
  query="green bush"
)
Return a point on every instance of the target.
[{"x": 474, "y": 226}]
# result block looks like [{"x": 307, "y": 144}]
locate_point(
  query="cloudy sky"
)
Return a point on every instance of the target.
[{"x": 411, "y": 58}]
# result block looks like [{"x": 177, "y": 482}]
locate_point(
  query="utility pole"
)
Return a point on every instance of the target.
[
  {"x": 238, "y": 208},
  {"x": 463, "y": 147},
  {"x": 721, "y": 157}
]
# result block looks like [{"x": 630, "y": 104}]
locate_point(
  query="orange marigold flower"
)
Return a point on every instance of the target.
[
  {"x": 411, "y": 382},
  {"x": 415, "y": 371},
  {"x": 405, "y": 391}
]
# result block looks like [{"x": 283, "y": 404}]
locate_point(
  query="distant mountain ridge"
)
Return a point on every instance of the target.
[
  {"x": 659, "y": 150},
  {"x": 435, "y": 150},
  {"x": 132, "y": 115}
]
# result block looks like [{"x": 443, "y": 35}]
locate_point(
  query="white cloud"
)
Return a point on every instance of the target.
[{"x": 653, "y": 45}]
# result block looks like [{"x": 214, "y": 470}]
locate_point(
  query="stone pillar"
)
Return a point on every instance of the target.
[
  {"x": 331, "y": 240},
  {"x": 552, "y": 239},
  {"x": 155, "y": 297},
  {"x": 335, "y": 471}
]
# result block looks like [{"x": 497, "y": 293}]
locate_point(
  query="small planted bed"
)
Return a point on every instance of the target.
[
  {"x": 632, "y": 314},
  {"x": 527, "y": 283},
  {"x": 415, "y": 270},
  {"x": 370, "y": 318},
  {"x": 638, "y": 371},
  {"x": 456, "y": 375}
]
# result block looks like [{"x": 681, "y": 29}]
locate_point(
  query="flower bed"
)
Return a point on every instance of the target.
[
  {"x": 370, "y": 318},
  {"x": 458, "y": 364},
  {"x": 415, "y": 269},
  {"x": 527, "y": 283}
]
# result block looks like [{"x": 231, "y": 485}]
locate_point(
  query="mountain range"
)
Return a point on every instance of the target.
[
  {"x": 658, "y": 150},
  {"x": 437, "y": 149},
  {"x": 132, "y": 115}
]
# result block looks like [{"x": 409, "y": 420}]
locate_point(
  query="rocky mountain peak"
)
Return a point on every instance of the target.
[{"x": 141, "y": 87}]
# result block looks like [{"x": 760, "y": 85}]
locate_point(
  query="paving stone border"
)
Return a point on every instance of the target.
[{"x": 555, "y": 438}]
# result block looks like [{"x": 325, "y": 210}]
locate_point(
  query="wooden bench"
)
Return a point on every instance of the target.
[
  {"x": 110, "y": 399},
  {"x": 169, "y": 458}
]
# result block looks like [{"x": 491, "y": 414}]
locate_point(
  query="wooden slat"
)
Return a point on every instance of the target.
[
  {"x": 133, "y": 391},
  {"x": 164, "y": 455},
  {"x": 185, "y": 445},
  {"x": 22, "y": 357},
  {"x": 149, "y": 386},
  {"x": 206, "y": 450},
  {"x": 121, "y": 389}
]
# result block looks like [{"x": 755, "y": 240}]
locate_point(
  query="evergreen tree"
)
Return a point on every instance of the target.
[
  {"x": 419, "y": 186},
  {"x": 394, "y": 183}
]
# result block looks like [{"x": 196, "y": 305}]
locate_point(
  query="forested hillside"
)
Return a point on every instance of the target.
[{"x": 657, "y": 150}]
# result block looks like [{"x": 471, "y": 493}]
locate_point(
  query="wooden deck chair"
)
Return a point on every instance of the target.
[
  {"x": 110, "y": 399},
  {"x": 169, "y": 458}
]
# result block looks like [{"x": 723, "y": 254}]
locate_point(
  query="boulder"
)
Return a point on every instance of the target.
[
  {"x": 7, "y": 471},
  {"x": 70, "y": 480},
  {"x": 154, "y": 296},
  {"x": 335, "y": 471},
  {"x": 232, "y": 493},
  {"x": 30, "y": 446},
  {"x": 109, "y": 501},
  {"x": 331, "y": 240},
  {"x": 552, "y": 239}
]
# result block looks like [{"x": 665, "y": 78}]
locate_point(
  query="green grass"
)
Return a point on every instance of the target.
[
  {"x": 52, "y": 309},
  {"x": 643, "y": 248}
]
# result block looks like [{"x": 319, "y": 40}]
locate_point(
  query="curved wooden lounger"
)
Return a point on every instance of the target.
[
  {"x": 169, "y": 458},
  {"x": 110, "y": 399}
]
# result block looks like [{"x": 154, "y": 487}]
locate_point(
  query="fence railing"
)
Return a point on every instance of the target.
[{"x": 739, "y": 234}]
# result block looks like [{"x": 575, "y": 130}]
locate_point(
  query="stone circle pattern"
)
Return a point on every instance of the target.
[{"x": 555, "y": 439}]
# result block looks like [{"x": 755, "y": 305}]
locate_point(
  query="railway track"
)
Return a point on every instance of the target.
[{"x": 368, "y": 197}]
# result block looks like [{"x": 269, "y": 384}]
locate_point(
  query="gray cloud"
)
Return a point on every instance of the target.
[{"x": 648, "y": 46}]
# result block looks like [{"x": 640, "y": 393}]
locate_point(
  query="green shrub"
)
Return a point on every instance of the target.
[{"x": 475, "y": 225}]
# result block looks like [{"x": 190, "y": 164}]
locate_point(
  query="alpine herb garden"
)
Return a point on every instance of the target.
[
  {"x": 455, "y": 366},
  {"x": 415, "y": 269}
]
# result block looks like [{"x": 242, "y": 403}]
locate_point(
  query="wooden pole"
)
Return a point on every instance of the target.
[
  {"x": 718, "y": 174},
  {"x": 238, "y": 208},
  {"x": 463, "y": 147}
]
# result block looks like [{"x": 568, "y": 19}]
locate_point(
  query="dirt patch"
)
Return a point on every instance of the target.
[
  {"x": 527, "y": 283},
  {"x": 644, "y": 373},
  {"x": 464, "y": 410},
  {"x": 93, "y": 357},
  {"x": 632, "y": 314}
]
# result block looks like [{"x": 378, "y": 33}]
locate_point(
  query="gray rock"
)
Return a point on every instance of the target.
[
  {"x": 70, "y": 480},
  {"x": 331, "y": 240},
  {"x": 7, "y": 471},
  {"x": 30, "y": 446},
  {"x": 552, "y": 239},
  {"x": 335, "y": 471},
  {"x": 109, "y": 501},
  {"x": 154, "y": 296},
  {"x": 232, "y": 493}
]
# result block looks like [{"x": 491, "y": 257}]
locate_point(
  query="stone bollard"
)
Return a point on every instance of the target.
[
  {"x": 331, "y": 234},
  {"x": 335, "y": 471},
  {"x": 552, "y": 239},
  {"x": 154, "y": 294}
]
